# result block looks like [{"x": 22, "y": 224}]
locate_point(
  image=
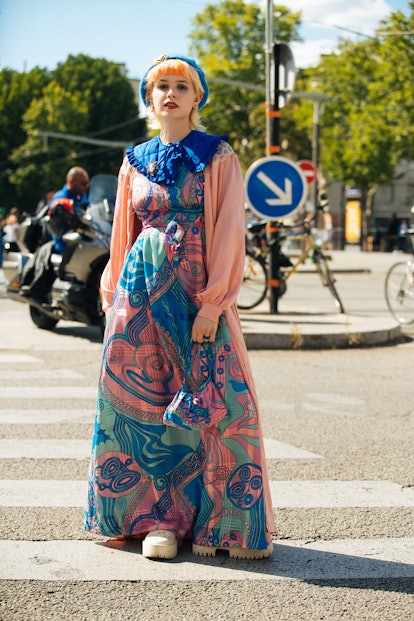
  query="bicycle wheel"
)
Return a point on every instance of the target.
[
  {"x": 254, "y": 287},
  {"x": 327, "y": 278},
  {"x": 399, "y": 291}
]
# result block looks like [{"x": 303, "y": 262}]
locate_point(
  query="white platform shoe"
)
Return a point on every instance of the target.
[{"x": 160, "y": 544}]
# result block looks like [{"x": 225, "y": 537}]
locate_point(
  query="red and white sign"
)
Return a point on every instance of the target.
[{"x": 309, "y": 170}]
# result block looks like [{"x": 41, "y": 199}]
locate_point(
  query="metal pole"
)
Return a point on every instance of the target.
[
  {"x": 315, "y": 151},
  {"x": 272, "y": 228},
  {"x": 269, "y": 62}
]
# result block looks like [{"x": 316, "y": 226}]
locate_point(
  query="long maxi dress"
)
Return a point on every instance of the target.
[{"x": 177, "y": 247}]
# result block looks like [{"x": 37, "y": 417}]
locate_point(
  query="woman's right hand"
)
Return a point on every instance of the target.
[{"x": 204, "y": 330}]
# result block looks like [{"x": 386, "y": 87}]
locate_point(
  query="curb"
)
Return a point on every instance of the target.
[{"x": 324, "y": 331}]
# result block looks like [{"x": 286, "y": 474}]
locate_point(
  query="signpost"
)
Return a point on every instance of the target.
[
  {"x": 275, "y": 187},
  {"x": 309, "y": 170},
  {"x": 287, "y": 72}
]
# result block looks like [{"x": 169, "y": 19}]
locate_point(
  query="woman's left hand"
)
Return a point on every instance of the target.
[{"x": 204, "y": 330}]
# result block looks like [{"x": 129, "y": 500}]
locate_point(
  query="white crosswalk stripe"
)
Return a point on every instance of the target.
[
  {"x": 45, "y": 417},
  {"x": 86, "y": 560},
  {"x": 80, "y": 449},
  {"x": 40, "y": 374},
  {"x": 285, "y": 494},
  {"x": 51, "y": 392},
  {"x": 9, "y": 358},
  {"x": 45, "y": 449}
]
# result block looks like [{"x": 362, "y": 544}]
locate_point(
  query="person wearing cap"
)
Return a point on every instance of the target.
[{"x": 165, "y": 468}]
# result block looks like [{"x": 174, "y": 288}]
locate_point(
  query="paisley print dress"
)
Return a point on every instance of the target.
[{"x": 202, "y": 484}]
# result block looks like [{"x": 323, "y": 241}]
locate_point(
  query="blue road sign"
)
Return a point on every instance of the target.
[{"x": 275, "y": 187}]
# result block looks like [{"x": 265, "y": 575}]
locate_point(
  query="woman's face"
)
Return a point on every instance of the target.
[{"x": 174, "y": 97}]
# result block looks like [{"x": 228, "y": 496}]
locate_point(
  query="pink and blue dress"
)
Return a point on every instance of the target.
[{"x": 201, "y": 484}]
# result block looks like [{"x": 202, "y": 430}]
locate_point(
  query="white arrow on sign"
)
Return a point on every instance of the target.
[{"x": 284, "y": 196}]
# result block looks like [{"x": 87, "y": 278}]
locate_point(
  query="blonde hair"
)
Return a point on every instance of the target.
[{"x": 173, "y": 66}]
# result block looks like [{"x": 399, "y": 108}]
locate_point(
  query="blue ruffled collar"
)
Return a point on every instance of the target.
[{"x": 160, "y": 162}]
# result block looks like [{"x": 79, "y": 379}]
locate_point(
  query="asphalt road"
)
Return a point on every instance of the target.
[{"x": 339, "y": 433}]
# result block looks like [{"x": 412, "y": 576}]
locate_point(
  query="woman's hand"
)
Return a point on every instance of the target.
[{"x": 204, "y": 330}]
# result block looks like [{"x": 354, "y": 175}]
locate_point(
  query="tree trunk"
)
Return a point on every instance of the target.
[{"x": 364, "y": 222}]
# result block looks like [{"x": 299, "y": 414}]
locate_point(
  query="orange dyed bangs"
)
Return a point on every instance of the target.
[{"x": 174, "y": 66}]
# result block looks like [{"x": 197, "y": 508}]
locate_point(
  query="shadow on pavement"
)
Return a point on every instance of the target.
[{"x": 291, "y": 561}]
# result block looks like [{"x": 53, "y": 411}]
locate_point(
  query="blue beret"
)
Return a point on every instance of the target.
[{"x": 190, "y": 61}]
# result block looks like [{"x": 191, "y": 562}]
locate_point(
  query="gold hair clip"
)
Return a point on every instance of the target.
[{"x": 161, "y": 59}]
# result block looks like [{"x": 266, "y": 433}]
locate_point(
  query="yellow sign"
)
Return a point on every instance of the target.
[{"x": 353, "y": 222}]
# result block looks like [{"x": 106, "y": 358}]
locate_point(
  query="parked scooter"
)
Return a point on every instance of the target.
[{"x": 75, "y": 292}]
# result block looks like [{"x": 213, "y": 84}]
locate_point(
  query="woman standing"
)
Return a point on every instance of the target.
[{"x": 170, "y": 291}]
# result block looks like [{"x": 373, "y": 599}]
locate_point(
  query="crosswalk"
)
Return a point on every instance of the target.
[{"x": 34, "y": 404}]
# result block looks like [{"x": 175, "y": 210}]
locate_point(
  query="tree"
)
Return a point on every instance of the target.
[
  {"x": 58, "y": 111},
  {"x": 17, "y": 90},
  {"x": 297, "y": 122},
  {"x": 228, "y": 38},
  {"x": 368, "y": 121},
  {"x": 82, "y": 96},
  {"x": 107, "y": 93}
]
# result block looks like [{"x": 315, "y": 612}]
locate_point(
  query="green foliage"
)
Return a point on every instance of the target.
[
  {"x": 17, "y": 90},
  {"x": 16, "y": 93},
  {"x": 228, "y": 40},
  {"x": 58, "y": 111},
  {"x": 296, "y": 123},
  {"x": 83, "y": 96},
  {"x": 368, "y": 122},
  {"x": 367, "y": 125},
  {"x": 106, "y": 92}
]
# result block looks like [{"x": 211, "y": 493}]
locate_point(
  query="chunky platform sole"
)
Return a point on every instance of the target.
[
  {"x": 234, "y": 552},
  {"x": 160, "y": 544}
]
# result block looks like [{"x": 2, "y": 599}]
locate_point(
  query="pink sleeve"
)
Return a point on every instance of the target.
[
  {"x": 225, "y": 234},
  {"x": 125, "y": 230}
]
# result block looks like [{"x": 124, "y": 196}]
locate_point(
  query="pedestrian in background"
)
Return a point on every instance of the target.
[
  {"x": 2, "y": 223},
  {"x": 392, "y": 233},
  {"x": 45, "y": 200},
  {"x": 10, "y": 229},
  {"x": 3, "y": 281},
  {"x": 165, "y": 468},
  {"x": 403, "y": 238}
]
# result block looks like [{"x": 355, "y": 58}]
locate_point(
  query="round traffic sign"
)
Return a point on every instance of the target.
[
  {"x": 309, "y": 170},
  {"x": 275, "y": 187}
]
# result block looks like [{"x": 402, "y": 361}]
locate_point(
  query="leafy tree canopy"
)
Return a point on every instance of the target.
[
  {"x": 367, "y": 125},
  {"x": 368, "y": 121},
  {"x": 83, "y": 96}
]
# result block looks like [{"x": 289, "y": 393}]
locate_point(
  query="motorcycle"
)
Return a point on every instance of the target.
[{"x": 74, "y": 294}]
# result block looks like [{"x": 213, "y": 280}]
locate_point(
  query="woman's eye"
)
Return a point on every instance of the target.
[{"x": 166, "y": 87}]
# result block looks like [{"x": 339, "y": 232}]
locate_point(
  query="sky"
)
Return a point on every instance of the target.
[{"x": 134, "y": 32}]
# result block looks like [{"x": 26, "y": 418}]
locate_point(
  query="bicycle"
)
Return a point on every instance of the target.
[
  {"x": 399, "y": 288},
  {"x": 255, "y": 279}
]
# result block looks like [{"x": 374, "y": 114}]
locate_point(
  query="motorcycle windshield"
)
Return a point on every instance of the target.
[{"x": 102, "y": 194}]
